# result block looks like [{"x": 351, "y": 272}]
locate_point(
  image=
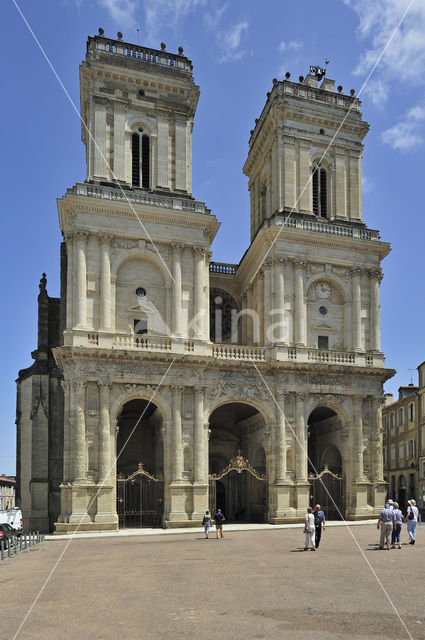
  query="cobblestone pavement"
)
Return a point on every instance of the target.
[{"x": 250, "y": 585}]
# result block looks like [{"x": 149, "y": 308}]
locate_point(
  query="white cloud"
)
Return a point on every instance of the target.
[
  {"x": 288, "y": 46},
  {"x": 121, "y": 11},
  {"x": 230, "y": 40},
  {"x": 162, "y": 14},
  {"x": 404, "y": 58},
  {"x": 212, "y": 19},
  {"x": 406, "y": 134}
]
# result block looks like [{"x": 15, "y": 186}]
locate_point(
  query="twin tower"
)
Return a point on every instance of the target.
[{"x": 164, "y": 383}]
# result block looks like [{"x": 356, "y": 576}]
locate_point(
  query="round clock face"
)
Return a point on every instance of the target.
[{"x": 323, "y": 290}]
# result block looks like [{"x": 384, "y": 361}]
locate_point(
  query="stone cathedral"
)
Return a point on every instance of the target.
[{"x": 164, "y": 383}]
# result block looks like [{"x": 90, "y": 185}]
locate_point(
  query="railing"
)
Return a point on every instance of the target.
[
  {"x": 322, "y": 355},
  {"x": 142, "y": 342},
  {"x": 13, "y": 545},
  {"x": 142, "y": 54},
  {"x": 235, "y": 352},
  {"x": 137, "y": 197},
  {"x": 296, "y": 220},
  {"x": 223, "y": 268}
]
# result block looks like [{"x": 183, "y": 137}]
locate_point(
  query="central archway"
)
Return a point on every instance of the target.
[
  {"x": 237, "y": 462},
  {"x": 140, "y": 465},
  {"x": 325, "y": 462}
]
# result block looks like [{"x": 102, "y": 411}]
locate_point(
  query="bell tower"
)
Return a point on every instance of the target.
[
  {"x": 305, "y": 152},
  {"x": 137, "y": 108}
]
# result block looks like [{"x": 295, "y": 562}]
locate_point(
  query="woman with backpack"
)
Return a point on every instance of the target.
[
  {"x": 206, "y": 523},
  {"x": 412, "y": 517}
]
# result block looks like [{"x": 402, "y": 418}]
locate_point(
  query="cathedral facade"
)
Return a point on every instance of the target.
[{"x": 165, "y": 383}]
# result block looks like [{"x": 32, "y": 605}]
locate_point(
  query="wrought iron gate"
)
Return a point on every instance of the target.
[
  {"x": 327, "y": 489},
  {"x": 140, "y": 499},
  {"x": 255, "y": 483}
]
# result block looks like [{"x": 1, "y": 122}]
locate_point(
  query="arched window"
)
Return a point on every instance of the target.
[
  {"x": 320, "y": 193},
  {"x": 140, "y": 160}
]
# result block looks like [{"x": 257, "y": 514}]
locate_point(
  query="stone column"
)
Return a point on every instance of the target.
[
  {"x": 377, "y": 460},
  {"x": 267, "y": 301},
  {"x": 120, "y": 107},
  {"x": 300, "y": 306},
  {"x": 162, "y": 159},
  {"x": 300, "y": 430},
  {"x": 357, "y": 441},
  {"x": 180, "y": 153},
  {"x": 374, "y": 311},
  {"x": 105, "y": 281},
  {"x": 69, "y": 281},
  {"x": 81, "y": 279},
  {"x": 177, "y": 289},
  {"x": 198, "y": 298},
  {"x": 79, "y": 436},
  {"x": 290, "y": 173},
  {"x": 99, "y": 148},
  {"x": 200, "y": 471},
  {"x": 104, "y": 433},
  {"x": 279, "y": 301},
  {"x": 67, "y": 476},
  {"x": 280, "y": 438},
  {"x": 357, "y": 309},
  {"x": 252, "y": 320},
  {"x": 305, "y": 190},
  {"x": 177, "y": 474}
]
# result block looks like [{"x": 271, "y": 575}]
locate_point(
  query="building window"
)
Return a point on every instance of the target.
[
  {"x": 401, "y": 452},
  {"x": 323, "y": 342},
  {"x": 140, "y": 160},
  {"x": 320, "y": 191},
  {"x": 140, "y": 326},
  {"x": 412, "y": 449},
  {"x": 411, "y": 412}
]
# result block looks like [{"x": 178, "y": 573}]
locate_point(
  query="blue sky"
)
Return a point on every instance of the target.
[{"x": 237, "y": 47}]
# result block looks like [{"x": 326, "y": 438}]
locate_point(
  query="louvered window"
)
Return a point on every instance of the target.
[
  {"x": 320, "y": 191},
  {"x": 140, "y": 160}
]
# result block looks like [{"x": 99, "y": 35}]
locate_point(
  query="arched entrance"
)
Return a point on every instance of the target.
[
  {"x": 402, "y": 501},
  {"x": 325, "y": 462},
  {"x": 140, "y": 466},
  {"x": 236, "y": 485}
]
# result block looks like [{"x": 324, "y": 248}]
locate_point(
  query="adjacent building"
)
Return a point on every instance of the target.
[
  {"x": 404, "y": 442},
  {"x": 165, "y": 383},
  {"x": 7, "y": 492}
]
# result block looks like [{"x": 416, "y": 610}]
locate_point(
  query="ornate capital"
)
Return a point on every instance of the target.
[
  {"x": 79, "y": 386},
  {"x": 279, "y": 261},
  {"x": 104, "y": 385},
  {"x": 198, "y": 252},
  {"x": 199, "y": 390},
  {"x": 81, "y": 235},
  {"x": 300, "y": 397},
  {"x": 105, "y": 238},
  {"x": 300, "y": 264},
  {"x": 177, "y": 388},
  {"x": 65, "y": 385},
  {"x": 376, "y": 273},
  {"x": 357, "y": 271},
  {"x": 177, "y": 246}
]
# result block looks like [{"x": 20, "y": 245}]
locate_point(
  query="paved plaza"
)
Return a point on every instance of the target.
[{"x": 250, "y": 585}]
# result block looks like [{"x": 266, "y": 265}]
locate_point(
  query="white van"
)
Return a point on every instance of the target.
[{"x": 13, "y": 517}]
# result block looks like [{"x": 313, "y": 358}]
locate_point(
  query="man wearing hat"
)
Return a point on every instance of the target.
[
  {"x": 412, "y": 517},
  {"x": 386, "y": 522}
]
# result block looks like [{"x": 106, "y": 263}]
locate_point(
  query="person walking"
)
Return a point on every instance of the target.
[
  {"x": 319, "y": 522},
  {"x": 412, "y": 518},
  {"x": 309, "y": 530},
  {"x": 386, "y": 522},
  {"x": 206, "y": 522},
  {"x": 219, "y": 519},
  {"x": 396, "y": 533}
]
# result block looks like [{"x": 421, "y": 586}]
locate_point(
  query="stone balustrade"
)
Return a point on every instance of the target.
[
  {"x": 294, "y": 220},
  {"x": 223, "y": 268},
  {"x": 139, "y": 53},
  {"x": 234, "y": 352},
  {"x": 137, "y": 197},
  {"x": 237, "y": 352}
]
